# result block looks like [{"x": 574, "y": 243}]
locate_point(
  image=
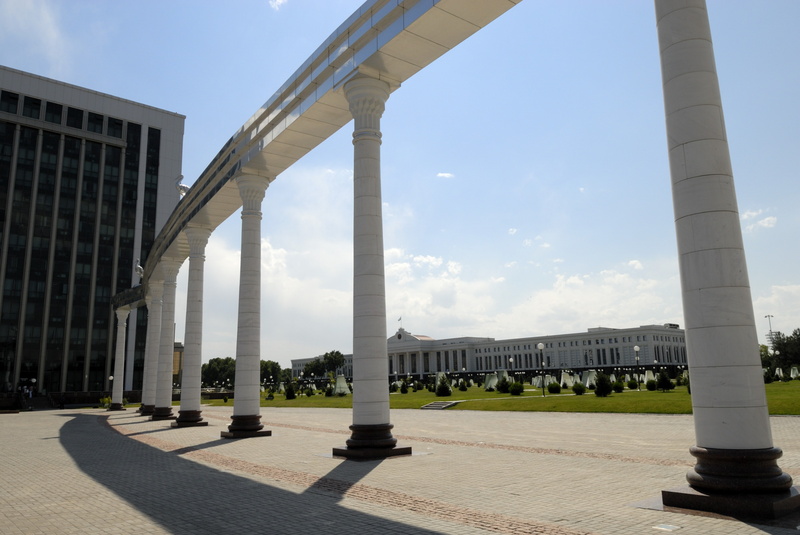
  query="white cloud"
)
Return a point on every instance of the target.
[
  {"x": 445, "y": 175},
  {"x": 276, "y": 4},
  {"x": 544, "y": 245},
  {"x": 767, "y": 222},
  {"x": 512, "y": 231},
  {"x": 635, "y": 264},
  {"x": 527, "y": 242},
  {"x": 750, "y": 214},
  {"x": 32, "y": 28}
]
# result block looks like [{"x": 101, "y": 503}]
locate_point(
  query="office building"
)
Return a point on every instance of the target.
[{"x": 86, "y": 182}]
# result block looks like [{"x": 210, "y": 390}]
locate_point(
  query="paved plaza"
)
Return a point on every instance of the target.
[{"x": 86, "y": 471}]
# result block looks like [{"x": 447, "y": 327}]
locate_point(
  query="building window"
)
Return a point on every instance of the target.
[
  {"x": 115, "y": 127},
  {"x": 8, "y": 102},
  {"x": 52, "y": 112},
  {"x": 95, "y": 123},
  {"x": 74, "y": 118},
  {"x": 31, "y": 107}
]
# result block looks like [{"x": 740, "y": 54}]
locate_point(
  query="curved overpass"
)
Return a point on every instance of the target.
[{"x": 390, "y": 40}]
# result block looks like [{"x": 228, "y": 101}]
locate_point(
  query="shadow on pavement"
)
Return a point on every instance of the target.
[{"x": 188, "y": 497}]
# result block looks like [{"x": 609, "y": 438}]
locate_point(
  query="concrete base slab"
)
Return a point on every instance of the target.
[
  {"x": 735, "y": 505},
  {"x": 178, "y": 423},
  {"x": 245, "y": 434},
  {"x": 370, "y": 454}
]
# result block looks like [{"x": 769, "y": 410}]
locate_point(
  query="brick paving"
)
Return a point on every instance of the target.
[{"x": 471, "y": 473}]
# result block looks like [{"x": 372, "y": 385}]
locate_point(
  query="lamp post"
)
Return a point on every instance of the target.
[
  {"x": 638, "y": 385},
  {"x": 540, "y": 347}
]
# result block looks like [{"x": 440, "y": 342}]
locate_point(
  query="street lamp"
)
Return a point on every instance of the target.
[
  {"x": 638, "y": 385},
  {"x": 540, "y": 347}
]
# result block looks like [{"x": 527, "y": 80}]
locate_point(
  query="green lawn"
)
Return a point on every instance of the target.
[{"x": 783, "y": 398}]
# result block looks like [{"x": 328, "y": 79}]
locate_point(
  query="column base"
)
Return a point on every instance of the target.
[
  {"x": 116, "y": 407},
  {"x": 735, "y": 482},
  {"x": 246, "y": 427},
  {"x": 162, "y": 413},
  {"x": 189, "y": 419},
  {"x": 744, "y": 505},
  {"x": 146, "y": 410},
  {"x": 369, "y": 442}
]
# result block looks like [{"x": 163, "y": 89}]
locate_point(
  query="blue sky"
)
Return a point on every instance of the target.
[{"x": 525, "y": 176}]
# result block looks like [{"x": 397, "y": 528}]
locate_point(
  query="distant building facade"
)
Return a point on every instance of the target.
[
  {"x": 598, "y": 348},
  {"x": 86, "y": 182}
]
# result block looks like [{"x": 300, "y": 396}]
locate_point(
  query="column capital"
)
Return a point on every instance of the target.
[
  {"x": 169, "y": 269},
  {"x": 367, "y": 99},
  {"x": 252, "y": 189},
  {"x": 122, "y": 313},
  {"x": 198, "y": 239}
]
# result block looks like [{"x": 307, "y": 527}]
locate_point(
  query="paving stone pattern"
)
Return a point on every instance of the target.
[{"x": 471, "y": 473}]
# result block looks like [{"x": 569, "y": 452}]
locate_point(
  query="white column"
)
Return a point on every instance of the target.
[
  {"x": 155, "y": 292},
  {"x": 119, "y": 360},
  {"x": 163, "y": 409},
  {"x": 189, "y": 413},
  {"x": 728, "y": 397},
  {"x": 246, "y": 419},
  {"x": 371, "y": 430}
]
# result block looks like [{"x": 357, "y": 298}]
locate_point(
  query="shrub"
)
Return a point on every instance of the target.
[
  {"x": 392, "y": 387},
  {"x": 633, "y": 384},
  {"x": 554, "y": 388},
  {"x": 602, "y": 385},
  {"x": 490, "y": 389},
  {"x": 592, "y": 387},
  {"x": 329, "y": 391},
  {"x": 664, "y": 383},
  {"x": 579, "y": 389},
  {"x": 309, "y": 392},
  {"x": 462, "y": 385},
  {"x": 767, "y": 377},
  {"x": 618, "y": 387},
  {"x": 516, "y": 388},
  {"x": 651, "y": 385},
  {"x": 502, "y": 385},
  {"x": 105, "y": 402},
  {"x": 289, "y": 392},
  {"x": 786, "y": 378},
  {"x": 404, "y": 388},
  {"x": 443, "y": 388}
]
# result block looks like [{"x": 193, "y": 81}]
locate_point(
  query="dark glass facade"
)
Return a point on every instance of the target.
[{"x": 78, "y": 199}]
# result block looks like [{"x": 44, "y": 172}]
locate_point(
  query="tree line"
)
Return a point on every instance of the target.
[
  {"x": 221, "y": 371},
  {"x": 785, "y": 352}
]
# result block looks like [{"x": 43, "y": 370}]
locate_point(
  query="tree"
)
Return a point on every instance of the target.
[
  {"x": 333, "y": 360},
  {"x": 218, "y": 372},
  {"x": 664, "y": 383},
  {"x": 315, "y": 368},
  {"x": 602, "y": 385},
  {"x": 785, "y": 350},
  {"x": 270, "y": 371}
]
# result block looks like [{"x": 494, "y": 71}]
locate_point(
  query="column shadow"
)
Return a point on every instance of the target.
[{"x": 185, "y": 497}]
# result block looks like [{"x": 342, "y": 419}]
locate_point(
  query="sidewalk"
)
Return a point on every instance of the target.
[{"x": 471, "y": 473}]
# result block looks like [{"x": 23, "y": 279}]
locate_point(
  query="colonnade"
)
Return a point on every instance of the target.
[
  {"x": 736, "y": 465},
  {"x": 371, "y": 429}
]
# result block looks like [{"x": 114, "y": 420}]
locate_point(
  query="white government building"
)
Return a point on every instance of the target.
[{"x": 599, "y": 348}]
